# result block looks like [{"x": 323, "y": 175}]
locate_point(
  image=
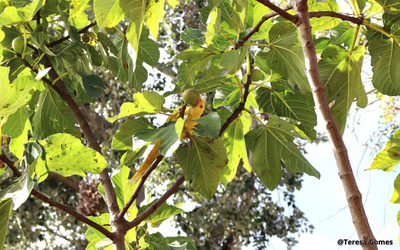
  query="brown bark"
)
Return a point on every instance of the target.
[
  {"x": 353, "y": 194},
  {"x": 117, "y": 225}
]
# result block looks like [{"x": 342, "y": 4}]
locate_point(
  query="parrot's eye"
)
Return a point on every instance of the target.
[{"x": 201, "y": 106}]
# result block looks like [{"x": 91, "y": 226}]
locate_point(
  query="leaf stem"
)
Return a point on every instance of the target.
[
  {"x": 227, "y": 38},
  {"x": 355, "y": 7},
  {"x": 59, "y": 78},
  {"x": 378, "y": 28},
  {"x": 355, "y": 39},
  {"x": 255, "y": 117},
  {"x": 257, "y": 44},
  {"x": 373, "y": 14}
]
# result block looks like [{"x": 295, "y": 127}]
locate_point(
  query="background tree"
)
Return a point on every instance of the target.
[{"x": 249, "y": 55}]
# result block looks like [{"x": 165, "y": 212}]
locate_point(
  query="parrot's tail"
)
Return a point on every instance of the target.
[{"x": 147, "y": 163}]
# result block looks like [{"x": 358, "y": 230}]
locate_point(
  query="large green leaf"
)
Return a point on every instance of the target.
[
  {"x": 271, "y": 146},
  {"x": 162, "y": 213},
  {"x": 131, "y": 70},
  {"x": 186, "y": 74},
  {"x": 396, "y": 192},
  {"x": 108, "y": 12},
  {"x": 208, "y": 125},
  {"x": 235, "y": 145},
  {"x": 125, "y": 63},
  {"x": 180, "y": 243},
  {"x": 12, "y": 15},
  {"x": 285, "y": 56},
  {"x": 19, "y": 191},
  {"x": 153, "y": 16},
  {"x": 231, "y": 61},
  {"x": 230, "y": 95},
  {"x": 92, "y": 84},
  {"x": 15, "y": 95},
  {"x": 77, "y": 7},
  {"x": 94, "y": 235},
  {"x": 344, "y": 33},
  {"x": 340, "y": 72},
  {"x": 197, "y": 61},
  {"x": 259, "y": 10},
  {"x": 389, "y": 157},
  {"x": 66, "y": 155},
  {"x": 211, "y": 79},
  {"x": 156, "y": 242},
  {"x": 390, "y": 6},
  {"x": 148, "y": 53},
  {"x": 194, "y": 37},
  {"x": 40, "y": 167},
  {"x": 287, "y": 104},
  {"x": 386, "y": 66},
  {"x": 107, "y": 44},
  {"x": 135, "y": 10},
  {"x": 167, "y": 133},
  {"x": 148, "y": 50},
  {"x": 214, "y": 24},
  {"x": 122, "y": 139},
  {"x": 130, "y": 157},
  {"x": 203, "y": 160},
  {"x": 228, "y": 13},
  {"x": 5, "y": 213},
  {"x": 144, "y": 103},
  {"x": 326, "y": 22},
  {"x": 52, "y": 116},
  {"x": 17, "y": 126}
]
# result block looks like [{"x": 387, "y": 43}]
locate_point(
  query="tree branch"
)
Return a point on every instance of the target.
[
  {"x": 83, "y": 30},
  {"x": 105, "y": 179},
  {"x": 136, "y": 193},
  {"x": 339, "y": 149},
  {"x": 156, "y": 204},
  {"x": 239, "y": 109},
  {"x": 319, "y": 14},
  {"x": 278, "y": 10},
  {"x": 257, "y": 27},
  {"x": 53, "y": 203}
]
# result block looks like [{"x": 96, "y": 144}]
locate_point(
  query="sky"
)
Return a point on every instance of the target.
[{"x": 324, "y": 202}]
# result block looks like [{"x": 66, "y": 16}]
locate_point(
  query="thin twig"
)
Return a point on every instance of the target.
[
  {"x": 53, "y": 203},
  {"x": 319, "y": 14},
  {"x": 239, "y": 109},
  {"x": 257, "y": 27},
  {"x": 156, "y": 204},
  {"x": 83, "y": 30},
  {"x": 278, "y": 10}
]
